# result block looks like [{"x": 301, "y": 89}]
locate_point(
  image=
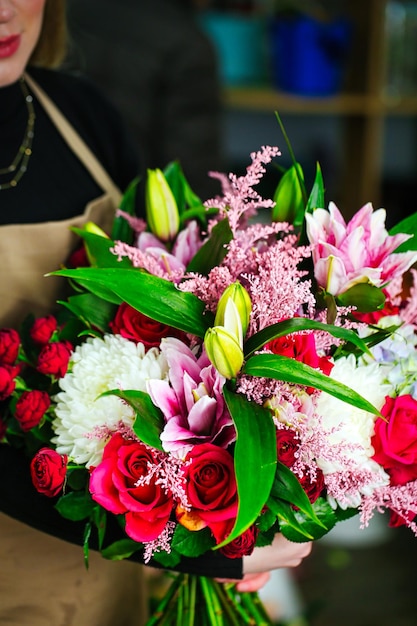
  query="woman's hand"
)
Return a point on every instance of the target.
[{"x": 281, "y": 553}]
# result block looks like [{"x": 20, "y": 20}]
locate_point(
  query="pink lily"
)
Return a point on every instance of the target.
[
  {"x": 361, "y": 251},
  {"x": 192, "y": 402}
]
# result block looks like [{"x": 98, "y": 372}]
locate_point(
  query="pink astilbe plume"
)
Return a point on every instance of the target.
[{"x": 239, "y": 196}]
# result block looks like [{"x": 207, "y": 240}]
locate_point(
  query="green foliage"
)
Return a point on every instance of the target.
[
  {"x": 289, "y": 370},
  {"x": 255, "y": 458}
]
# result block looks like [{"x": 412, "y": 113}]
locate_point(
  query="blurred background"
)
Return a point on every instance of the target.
[{"x": 200, "y": 81}]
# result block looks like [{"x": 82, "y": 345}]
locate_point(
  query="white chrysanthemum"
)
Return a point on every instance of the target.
[
  {"x": 99, "y": 365},
  {"x": 352, "y": 425}
]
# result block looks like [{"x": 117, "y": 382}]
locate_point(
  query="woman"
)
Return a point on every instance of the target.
[{"x": 64, "y": 156}]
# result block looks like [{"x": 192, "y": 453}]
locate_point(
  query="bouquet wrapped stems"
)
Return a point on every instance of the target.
[{"x": 199, "y": 601}]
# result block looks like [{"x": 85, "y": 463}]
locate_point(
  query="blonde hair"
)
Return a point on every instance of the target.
[{"x": 51, "y": 48}]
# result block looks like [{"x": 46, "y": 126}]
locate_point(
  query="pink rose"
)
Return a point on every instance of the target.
[
  {"x": 113, "y": 484},
  {"x": 31, "y": 407},
  {"x": 48, "y": 470},
  {"x": 54, "y": 358},
  {"x": 137, "y": 327},
  {"x": 395, "y": 439},
  {"x": 8, "y": 374},
  {"x": 43, "y": 328},
  {"x": 9, "y": 345},
  {"x": 211, "y": 487}
]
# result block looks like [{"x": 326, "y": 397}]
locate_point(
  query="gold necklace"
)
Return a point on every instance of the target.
[{"x": 19, "y": 164}]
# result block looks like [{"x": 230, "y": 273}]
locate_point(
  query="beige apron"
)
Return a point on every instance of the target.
[{"x": 43, "y": 581}]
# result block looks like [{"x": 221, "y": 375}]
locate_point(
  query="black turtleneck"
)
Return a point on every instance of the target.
[{"x": 56, "y": 185}]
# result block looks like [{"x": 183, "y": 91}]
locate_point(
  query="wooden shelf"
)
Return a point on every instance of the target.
[{"x": 266, "y": 99}]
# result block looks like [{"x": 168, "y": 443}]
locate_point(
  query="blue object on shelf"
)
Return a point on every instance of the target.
[
  {"x": 240, "y": 42},
  {"x": 309, "y": 57}
]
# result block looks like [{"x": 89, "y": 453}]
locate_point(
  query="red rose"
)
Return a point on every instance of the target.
[
  {"x": 242, "y": 545},
  {"x": 301, "y": 347},
  {"x": 43, "y": 328},
  {"x": 113, "y": 484},
  {"x": 312, "y": 487},
  {"x": 287, "y": 445},
  {"x": 138, "y": 327},
  {"x": 395, "y": 439},
  {"x": 211, "y": 487},
  {"x": 79, "y": 258},
  {"x": 53, "y": 359},
  {"x": 9, "y": 345},
  {"x": 31, "y": 407},
  {"x": 48, "y": 469},
  {"x": 395, "y": 520},
  {"x": 8, "y": 374}
]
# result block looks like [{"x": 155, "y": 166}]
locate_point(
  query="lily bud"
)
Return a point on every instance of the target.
[
  {"x": 161, "y": 207},
  {"x": 92, "y": 228},
  {"x": 224, "y": 352},
  {"x": 288, "y": 196},
  {"x": 240, "y": 297}
]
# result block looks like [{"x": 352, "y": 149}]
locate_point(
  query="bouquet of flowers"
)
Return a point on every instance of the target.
[{"x": 218, "y": 378}]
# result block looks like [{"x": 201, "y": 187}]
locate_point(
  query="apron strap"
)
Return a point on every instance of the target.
[{"x": 76, "y": 143}]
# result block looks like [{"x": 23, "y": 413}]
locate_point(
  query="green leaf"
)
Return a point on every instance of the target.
[
  {"x": 153, "y": 296},
  {"x": 99, "y": 248},
  {"x": 287, "y": 487},
  {"x": 286, "y": 516},
  {"x": 409, "y": 227},
  {"x": 121, "y": 229},
  {"x": 213, "y": 251},
  {"x": 316, "y": 197},
  {"x": 189, "y": 543},
  {"x": 295, "y": 526},
  {"x": 99, "y": 517},
  {"x": 168, "y": 560},
  {"x": 91, "y": 309},
  {"x": 255, "y": 459},
  {"x": 296, "y": 324},
  {"x": 75, "y": 506},
  {"x": 366, "y": 298},
  {"x": 149, "y": 420},
  {"x": 122, "y": 549},
  {"x": 289, "y": 370}
]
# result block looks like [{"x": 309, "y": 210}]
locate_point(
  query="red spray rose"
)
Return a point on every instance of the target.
[
  {"x": 313, "y": 487},
  {"x": 79, "y": 257},
  {"x": 48, "y": 469},
  {"x": 133, "y": 325},
  {"x": 43, "y": 328},
  {"x": 53, "y": 359},
  {"x": 242, "y": 545},
  {"x": 395, "y": 439},
  {"x": 301, "y": 347},
  {"x": 8, "y": 374},
  {"x": 211, "y": 487},
  {"x": 31, "y": 407},
  {"x": 113, "y": 484},
  {"x": 9, "y": 345},
  {"x": 287, "y": 445}
]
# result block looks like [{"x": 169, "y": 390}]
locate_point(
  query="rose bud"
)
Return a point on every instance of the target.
[
  {"x": 48, "y": 470},
  {"x": 31, "y": 407},
  {"x": 8, "y": 374},
  {"x": 54, "y": 358},
  {"x": 240, "y": 297},
  {"x": 9, "y": 345},
  {"x": 161, "y": 207},
  {"x": 224, "y": 352},
  {"x": 43, "y": 328}
]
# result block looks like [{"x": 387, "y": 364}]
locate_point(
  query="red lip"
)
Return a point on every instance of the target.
[{"x": 9, "y": 45}]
